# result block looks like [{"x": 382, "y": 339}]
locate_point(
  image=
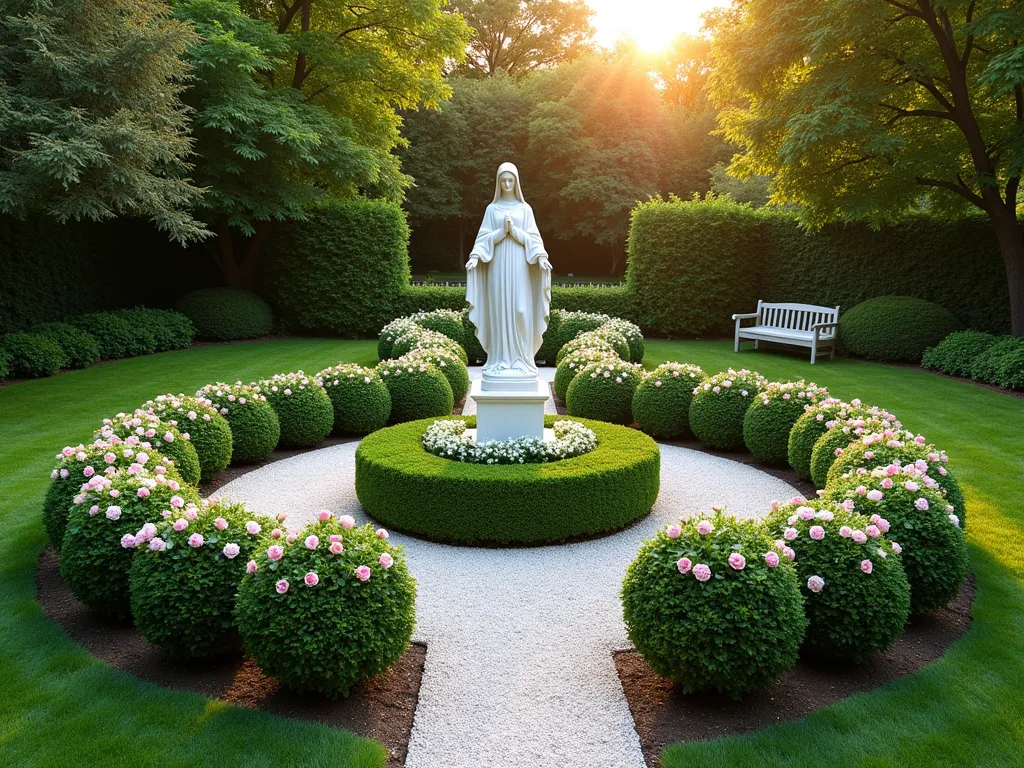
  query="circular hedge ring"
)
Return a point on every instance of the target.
[{"x": 408, "y": 489}]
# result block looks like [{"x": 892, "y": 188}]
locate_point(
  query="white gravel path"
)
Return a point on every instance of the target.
[{"x": 519, "y": 670}]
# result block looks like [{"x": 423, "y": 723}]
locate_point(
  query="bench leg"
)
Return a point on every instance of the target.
[
  {"x": 755, "y": 343},
  {"x": 832, "y": 352},
  {"x": 814, "y": 351},
  {"x": 736, "y": 347}
]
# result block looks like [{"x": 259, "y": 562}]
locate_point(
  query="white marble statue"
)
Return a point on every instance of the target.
[{"x": 508, "y": 286}]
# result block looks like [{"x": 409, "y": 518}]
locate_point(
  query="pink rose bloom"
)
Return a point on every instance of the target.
[
  {"x": 114, "y": 493},
  {"x": 872, "y": 531},
  {"x": 846, "y": 531},
  {"x": 109, "y": 458},
  {"x": 701, "y": 572},
  {"x": 817, "y": 532},
  {"x": 196, "y": 540},
  {"x": 180, "y": 524},
  {"x": 860, "y": 490},
  {"x": 157, "y": 544},
  {"x": 887, "y": 483},
  {"x": 336, "y": 548},
  {"x": 896, "y": 548},
  {"x": 943, "y": 471},
  {"x": 347, "y": 521},
  {"x": 805, "y": 513},
  {"x": 276, "y": 533},
  {"x": 789, "y": 552},
  {"x": 282, "y": 586},
  {"x": 191, "y": 513},
  {"x": 869, "y": 454},
  {"x": 113, "y": 513},
  {"x": 252, "y": 566},
  {"x": 849, "y": 505},
  {"x": 311, "y": 579},
  {"x": 89, "y": 471},
  {"x": 323, "y": 516},
  {"x": 684, "y": 565},
  {"x": 825, "y": 515},
  {"x": 839, "y": 451},
  {"x": 127, "y": 541},
  {"x": 173, "y": 485},
  {"x": 275, "y": 552},
  {"x": 177, "y": 502},
  {"x": 362, "y": 573},
  {"x": 883, "y": 524},
  {"x": 790, "y": 533},
  {"x": 291, "y": 537},
  {"x": 160, "y": 470},
  {"x": 815, "y": 583},
  {"x": 911, "y": 486},
  {"x": 860, "y": 537},
  {"x": 921, "y": 503},
  {"x": 143, "y": 492},
  {"x": 673, "y": 531},
  {"x": 866, "y": 566},
  {"x": 312, "y": 542},
  {"x": 737, "y": 561},
  {"x": 771, "y": 558},
  {"x": 919, "y": 439},
  {"x": 386, "y": 560},
  {"x": 954, "y": 520},
  {"x": 220, "y": 523},
  {"x": 704, "y": 527},
  {"x": 231, "y": 550},
  {"x": 874, "y": 495},
  {"x": 334, "y": 537},
  {"x": 168, "y": 437},
  {"x": 382, "y": 533},
  {"x": 252, "y": 527}
]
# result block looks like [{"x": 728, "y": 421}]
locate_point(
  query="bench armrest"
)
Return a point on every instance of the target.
[
  {"x": 744, "y": 317},
  {"x": 818, "y": 326}
]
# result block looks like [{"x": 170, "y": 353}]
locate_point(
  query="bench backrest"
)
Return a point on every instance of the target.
[{"x": 794, "y": 317}]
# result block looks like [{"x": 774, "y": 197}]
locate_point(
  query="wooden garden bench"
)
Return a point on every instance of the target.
[{"x": 802, "y": 325}]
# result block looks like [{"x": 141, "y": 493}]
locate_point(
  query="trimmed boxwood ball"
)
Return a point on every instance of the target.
[
  {"x": 183, "y": 583},
  {"x": 470, "y": 342},
  {"x": 634, "y": 337},
  {"x": 710, "y": 605},
  {"x": 332, "y": 608},
  {"x": 118, "y": 335},
  {"x": 955, "y": 354},
  {"x": 894, "y": 328},
  {"x": 80, "y": 348},
  {"x": 226, "y": 314},
  {"x": 661, "y": 403},
  {"x": 447, "y": 322},
  {"x": 840, "y": 434},
  {"x": 98, "y": 546},
  {"x": 417, "y": 390},
  {"x": 612, "y": 340},
  {"x": 573, "y": 363},
  {"x": 163, "y": 436},
  {"x": 864, "y": 602},
  {"x": 255, "y": 429},
  {"x": 572, "y": 324},
  {"x": 32, "y": 355},
  {"x": 448, "y": 363},
  {"x": 197, "y": 421},
  {"x": 304, "y": 410},
  {"x": 604, "y": 490},
  {"x": 551, "y": 341},
  {"x": 933, "y": 545},
  {"x": 720, "y": 404},
  {"x": 604, "y": 391},
  {"x": 424, "y": 339},
  {"x": 391, "y": 333},
  {"x": 360, "y": 398},
  {"x": 770, "y": 418},
  {"x": 813, "y": 424}
]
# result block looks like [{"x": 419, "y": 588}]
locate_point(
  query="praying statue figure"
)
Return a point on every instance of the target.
[{"x": 508, "y": 286}]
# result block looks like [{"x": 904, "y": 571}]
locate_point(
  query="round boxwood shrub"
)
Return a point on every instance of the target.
[
  {"x": 603, "y": 490},
  {"x": 424, "y": 339},
  {"x": 720, "y": 404},
  {"x": 770, "y": 418},
  {"x": 661, "y": 403},
  {"x": 633, "y": 335},
  {"x": 361, "y": 401},
  {"x": 955, "y": 354},
  {"x": 933, "y": 546},
  {"x": 391, "y": 333},
  {"x": 117, "y": 335},
  {"x": 447, "y": 322},
  {"x": 32, "y": 355},
  {"x": 471, "y": 343},
  {"x": 710, "y": 605},
  {"x": 226, "y": 314},
  {"x": 333, "y": 607},
  {"x": 1002, "y": 364},
  {"x": 77, "y": 464},
  {"x": 840, "y": 434},
  {"x": 303, "y": 408},
  {"x": 197, "y": 421},
  {"x": 604, "y": 391},
  {"x": 96, "y": 553},
  {"x": 163, "y": 436},
  {"x": 572, "y": 324},
  {"x": 80, "y": 348},
  {"x": 185, "y": 576},
  {"x": 810, "y": 426},
  {"x": 169, "y": 329},
  {"x": 894, "y": 328},
  {"x": 856, "y": 595},
  {"x": 551, "y": 341},
  {"x": 255, "y": 429},
  {"x": 417, "y": 390},
  {"x": 574, "y": 362},
  {"x": 610, "y": 340},
  {"x": 448, "y": 363}
]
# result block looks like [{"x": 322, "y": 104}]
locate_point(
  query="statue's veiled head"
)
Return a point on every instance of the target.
[{"x": 507, "y": 180}]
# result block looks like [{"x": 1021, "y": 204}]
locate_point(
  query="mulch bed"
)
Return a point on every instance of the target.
[
  {"x": 381, "y": 708},
  {"x": 664, "y": 716}
]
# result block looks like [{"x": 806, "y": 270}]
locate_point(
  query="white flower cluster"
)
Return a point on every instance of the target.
[
  {"x": 224, "y": 397},
  {"x": 742, "y": 381},
  {"x": 333, "y": 377},
  {"x": 448, "y": 439},
  {"x": 808, "y": 394},
  {"x": 286, "y": 383}
]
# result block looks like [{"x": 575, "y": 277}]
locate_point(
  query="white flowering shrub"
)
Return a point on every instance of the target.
[
  {"x": 360, "y": 398},
  {"x": 771, "y": 416},
  {"x": 421, "y": 338},
  {"x": 165, "y": 437},
  {"x": 604, "y": 391},
  {"x": 392, "y": 332},
  {"x": 418, "y": 389},
  {"x": 634, "y": 337},
  {"x": 303, "y": 408},
  {"x": 574, "y": 362},
  {"x": 661, "y": 403},
  {"x": 448, "y": 439},
  {"x": 255, "y": 429},
  {"x": 719, "y": 405},
  {"x": 444, "y": 321},
  {"x": 448, "y": 363},
  {"x": 197, "y": 420},
  {"x": 603, "y": 338}
]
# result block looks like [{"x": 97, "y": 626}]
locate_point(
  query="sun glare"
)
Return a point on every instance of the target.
[{"x": 651, "y": 24}]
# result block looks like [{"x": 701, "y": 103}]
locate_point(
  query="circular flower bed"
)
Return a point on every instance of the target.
[
  {"x": 163, "y": 436},
  {"x": 418, "y": 389},
  {"x": 661, "y": 403},
  {"x": 200, "y": 424},
  {"x": 711, "y": 605},
  {"x": 361, "y": 401},
  {"x": 331, "y": 607},
  {"x": 720, "y": 404},
  {"x": 448, "y": 439},
  {"x": 771, "y": 416},
  {"x": 303, "y": 408},
  {"x": 407, "y": 488},
  {"x": 255, "y": 429},
  {"x": 604, "y": 390}
]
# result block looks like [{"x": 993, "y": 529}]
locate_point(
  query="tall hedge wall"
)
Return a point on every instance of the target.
[{"x": 610, "y": 301}]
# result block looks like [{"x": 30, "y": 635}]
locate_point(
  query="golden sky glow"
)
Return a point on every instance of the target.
[{"x": 652, "y": 24}]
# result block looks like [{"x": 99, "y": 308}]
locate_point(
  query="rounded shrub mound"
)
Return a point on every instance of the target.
[
  {"x": 448, "y": 363},
  {"x": 424, "y": 339},
  {"x": 417, "y": 389},
  {"x": 633, "y": 334},
  {"x": 32, "y": 355},
  {"x": 574, "y": 362},
  {"x": 255, "y": 429},
  {"x": 955, "y": 354},
  {"x": 607, "y": 339},
  {"x": 96, "y": 553},
  {"x": 80, "y": 348},
  {"x": 661, "y": 403},
  {"x": 894, "y": 328},
  {"x": 226, "y": 314},
  {"x": 550, "y": 342},
  {"x": 811, "y": 425},
  {"x": 604, "y": 391},
  {"x": 471, "y": 343},
  {"x": 720, "y": 404},
  {"x": 76, "y": 465},
  {"x": 603, "y": 490},
  {"x": 928, "y": 536},
  {"x": 361, "y": 401},
  {"x": 304, "y": 410},
  {"x": 197, "y": 421},
  {"x": 710, "y": 605},
  {"x": 331, "y": 608},
  {"x": 169, "y": 329},
  {"x": 856, "y": 595},
  {"x": 840, "y": 434},
  {"x": 186, "y": 572},
  {"x": 447, "y": 322},
  {"x": 118, "y": 336},
  {"x": 1002, "y": 364},
  {"x": 163, "y": 436},
  {"x": 391, "y": 333},
  {"x": 771, "y": 416},
  {"x": 572, "y": 324}
]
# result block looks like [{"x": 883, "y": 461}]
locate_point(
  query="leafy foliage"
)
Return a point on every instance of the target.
[
  {"x": 362, "y": 403},
  {"x": 720, "y": 404},
  {"x": 304, "y": 410},
  {"x": 572, "y": 324},
  {"x": 255, "y": 429},
  {"x": 144, "y": 427},
  {"x": 894, "y": 328},
  {"x": 770, "y": 418},
  {"x": 418, "y": 389},
  {"x": 661, "y": 403},
  {"x": 841, "y": 432},
  {"x": 603, "y": 390},
  {"x": 448, "y": 363},
  {"x": 595, "y": 340},
  {"x": 32, "y": 355},
  {"x": 575, "y": 362},
  {"x": 812, "y": 425},
  {"x": 226, "y": 314},
  {"x": 169, "y": 329},
  {"x": 80, "y": 347},
  {"x": 207, "y": 431},
  {"x": 956, "y": 353},
  {"x": 444, "y": 321},
  {"x": 1001, "y": 364},
  {"x": 117, "y": 336}
]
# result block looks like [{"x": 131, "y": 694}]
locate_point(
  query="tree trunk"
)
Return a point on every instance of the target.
[
  {"x": 1011, "y": 245},
  {"x": 238, "y": 273}
]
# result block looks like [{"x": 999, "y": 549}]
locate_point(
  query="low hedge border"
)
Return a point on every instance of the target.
[{"x": 410, "y": 490}]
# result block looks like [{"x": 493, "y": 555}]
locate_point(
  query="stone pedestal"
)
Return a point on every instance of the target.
[{"x": 505, "y": 415}]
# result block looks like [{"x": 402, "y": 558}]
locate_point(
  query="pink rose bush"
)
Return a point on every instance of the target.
[
  {"x": 304, "y": 411},
  {"x": 661, "y": 403},
  {"x": 772, "y": 414},
  {"x": 842, "y": 432},
  {"x": 207, "y": 429},
  {"x": 681, "y": 595},
  {"x": 255, "y": 429},
  {"x": 361, "y": 401},
  {"x": 346, "y": 614},
  {"x": 719, "y": 406},
  {"x": 153, "y": 435}
]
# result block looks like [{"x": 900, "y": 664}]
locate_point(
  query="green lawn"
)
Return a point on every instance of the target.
[{"x": 61, "y": 707}]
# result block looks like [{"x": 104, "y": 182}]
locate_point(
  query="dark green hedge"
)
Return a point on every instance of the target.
[
  {"x": 226, "y": 314},
  {"x": 894, "y": 328},
  {"x": 406, "y": 488},
  {"x": 32, "y": 355},
  {"x": 80, "y": 347}
]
